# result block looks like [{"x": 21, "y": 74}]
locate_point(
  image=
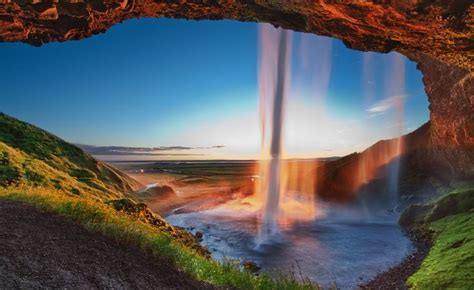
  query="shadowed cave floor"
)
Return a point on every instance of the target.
[{"x": 39, "y": 249}]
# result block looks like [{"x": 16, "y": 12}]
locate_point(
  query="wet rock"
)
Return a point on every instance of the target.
[
  {"x": 414, "y": 214},
  {"x": 163, "y": 192},
  {"x": 199, "y": 236},
  {"x": 251, "y": 267}
]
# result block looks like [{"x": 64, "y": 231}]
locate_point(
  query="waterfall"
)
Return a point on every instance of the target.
[{"x": 274, "y": 66}]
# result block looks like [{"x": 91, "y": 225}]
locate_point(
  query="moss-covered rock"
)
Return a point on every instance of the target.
[
  {"x": 142, "y": 213},
  {"x": 455, "y": 202},
  {"x": 415, "y": 214}
]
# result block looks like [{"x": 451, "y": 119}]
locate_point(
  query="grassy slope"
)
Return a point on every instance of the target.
[
  {"x": 100, "y": 218},
  {"x": 450, "y": 262},
  {"x": 42, "y": 170},
  {"x": 32, "y": 156}
]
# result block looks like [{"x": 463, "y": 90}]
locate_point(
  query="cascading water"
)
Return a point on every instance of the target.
[
  {"x": 387, "y": 155},
  {"x": 397, "y": 88},
  {"x": 275, "y": 226},
  {"x": 285, "y": 192},
  {"x": 274, "y": 85}
]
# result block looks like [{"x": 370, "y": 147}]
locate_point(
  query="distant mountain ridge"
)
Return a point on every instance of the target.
[
  {"x": 33, "y": 157},
  {"x": 143, "y": 151}
]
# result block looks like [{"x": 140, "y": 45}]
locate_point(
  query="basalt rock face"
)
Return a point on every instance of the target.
[
  {"x": 450, "y": 91},
  {"x": 438, "y": 35},
  {"x": 442, "y": 29},
  {"x": 369, "y": 171}
]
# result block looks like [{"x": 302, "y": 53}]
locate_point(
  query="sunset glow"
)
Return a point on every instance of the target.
[
  {"x": 205, "y": 102},
  {"x": 159, "y": 144}
]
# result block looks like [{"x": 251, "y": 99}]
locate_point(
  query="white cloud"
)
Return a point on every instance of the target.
[{"x": 383, "y": 106}]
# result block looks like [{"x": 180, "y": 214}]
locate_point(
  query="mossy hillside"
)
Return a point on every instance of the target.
[
  {"x": 29, "y": 155},
  {"x": 450, "y": 262},
  {"x": 42, "y": 170},
  {"x": 17, "y": 169},
  {"x": 455, "y": 202},
  {"x": 20, "y": 171}
]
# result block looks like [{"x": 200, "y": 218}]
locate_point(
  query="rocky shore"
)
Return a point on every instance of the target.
[{"x": 396, "y": 277}]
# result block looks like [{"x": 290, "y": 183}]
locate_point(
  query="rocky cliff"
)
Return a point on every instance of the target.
[
  {"x": 343, "y": 179},
  {"x": 441, "y": 29},
  {"x": 450, "y": 91},
  {"x": 438, "y": 35}
]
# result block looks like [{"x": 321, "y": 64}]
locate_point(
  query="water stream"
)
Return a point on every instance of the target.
[{"x": 344, "y": 248}]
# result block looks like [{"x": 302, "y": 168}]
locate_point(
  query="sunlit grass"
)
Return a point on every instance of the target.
[
  {"x": 450, "y": 262},
  {"x": 40, "y": 169},
  {"x": 97, "y": 217},
  {"x": 30, "y": 155}
]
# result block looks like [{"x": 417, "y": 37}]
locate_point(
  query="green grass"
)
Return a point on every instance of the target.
[
  {"x": 100, "y": 218},
  {"x": 454, "y": 202},
  {"x": 40, "y": 169},
  {"x": 19, "y": 169},
  {"x": 35, "y": 145},
  {"x": 450, "y": 262}
]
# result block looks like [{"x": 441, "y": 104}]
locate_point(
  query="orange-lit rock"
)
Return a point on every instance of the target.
[
  {"x": 438, "y": 35},
  {"x": 443, "y": 30},
  {"x": 342, "y": 179}
]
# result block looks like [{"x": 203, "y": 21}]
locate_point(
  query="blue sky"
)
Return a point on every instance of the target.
[{"x": 162, "y": 82}]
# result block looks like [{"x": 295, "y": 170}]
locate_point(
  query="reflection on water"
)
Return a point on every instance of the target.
[
  {"x": 345, "y": 244},
  {"x": 343, "y": 251}
]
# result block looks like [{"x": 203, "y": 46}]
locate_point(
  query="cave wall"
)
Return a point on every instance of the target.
[
  {"x": 450, "y": 91},
  {"x": 442, "y": 29},
  {"x": 438, "y": 35}
]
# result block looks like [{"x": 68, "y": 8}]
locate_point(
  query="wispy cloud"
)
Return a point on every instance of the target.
[
  {"x": 384, "y": 105},
  {"x": 145, "y": 151}
]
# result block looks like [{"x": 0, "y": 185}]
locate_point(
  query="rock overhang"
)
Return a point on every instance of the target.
[{"x": 438, "y": 35}]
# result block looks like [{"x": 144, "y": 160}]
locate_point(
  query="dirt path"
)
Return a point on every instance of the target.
[{"x": 38, "y": 249}]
